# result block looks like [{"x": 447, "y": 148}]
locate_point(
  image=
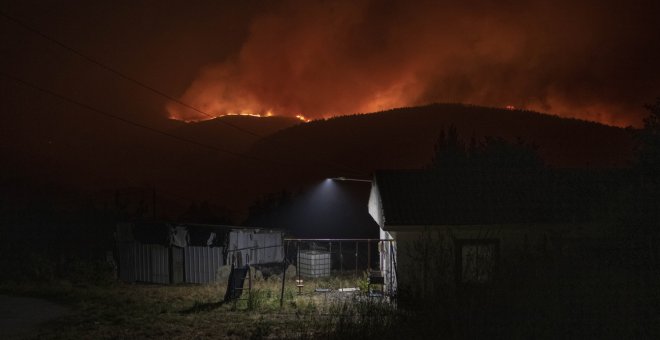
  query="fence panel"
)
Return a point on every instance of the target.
[{"x": 202, "y": 263}]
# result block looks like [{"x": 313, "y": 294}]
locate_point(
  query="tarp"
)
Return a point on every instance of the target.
[
  {"x": 179, "y": 236},
  {"x": 250, "y": 246},
  {"x": 207, "y": 236}
]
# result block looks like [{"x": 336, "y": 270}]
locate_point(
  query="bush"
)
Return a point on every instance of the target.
[{"x": 85, "y": 271}]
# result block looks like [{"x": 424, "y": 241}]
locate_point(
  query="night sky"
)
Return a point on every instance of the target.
[{"x": 595, "y": 60}]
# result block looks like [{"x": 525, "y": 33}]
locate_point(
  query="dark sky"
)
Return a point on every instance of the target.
[{"x": 596, "y": 60}]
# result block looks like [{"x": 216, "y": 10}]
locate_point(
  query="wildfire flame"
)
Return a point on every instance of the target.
[
  {"x": 300, "y": 117},
  {"x": 328, "y": 58},
  {"x": 303, "y": 118}
]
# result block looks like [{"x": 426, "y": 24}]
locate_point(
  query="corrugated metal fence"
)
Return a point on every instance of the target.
[
  {"x": 182, "y": 262},
  {"x": 255, "y": 247},
  {"x": 202, "y": 263},
  {"x": 144, "y": 262}
]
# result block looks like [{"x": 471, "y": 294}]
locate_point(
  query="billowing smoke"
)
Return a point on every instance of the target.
[{"x": 585, "y": 59}]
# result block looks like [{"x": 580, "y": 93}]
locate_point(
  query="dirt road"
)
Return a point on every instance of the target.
[{"x": 21, "y": 316}]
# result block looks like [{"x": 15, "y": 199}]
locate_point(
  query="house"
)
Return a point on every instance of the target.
[
  {"x": 176, "y": 253},
  {"x": 452, "y": 229}
]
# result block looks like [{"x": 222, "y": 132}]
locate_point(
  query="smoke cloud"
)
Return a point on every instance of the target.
[{"x": 594, "y": 60}]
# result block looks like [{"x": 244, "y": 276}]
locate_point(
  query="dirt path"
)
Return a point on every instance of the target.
[{"x": 21, "y": 316}]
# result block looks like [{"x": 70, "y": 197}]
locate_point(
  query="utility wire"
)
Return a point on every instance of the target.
[
  {"x": 154, "y": 130},
  {"x": 119, "y": 73},
  {"x": 130, "y": 122},
  {"x": 150, "y": 88}
]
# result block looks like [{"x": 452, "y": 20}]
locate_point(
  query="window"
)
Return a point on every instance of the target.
[{"x": 476, "y": 260}]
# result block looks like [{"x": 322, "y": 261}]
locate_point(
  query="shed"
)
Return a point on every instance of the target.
[
  {"x": 175, "y": 253},
  {"x": 453, "y": 228},
  {"x": 254, "y": 246}
]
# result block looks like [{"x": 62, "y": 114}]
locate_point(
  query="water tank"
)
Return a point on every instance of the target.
[{"x": 314, "y": 263}]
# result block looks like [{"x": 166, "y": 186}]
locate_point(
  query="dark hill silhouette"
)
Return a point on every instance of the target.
[
  {"x": 221, "y": 132},
  {"x": 60, "y": 155},
  {"x": 404, "y": 138},
  {"x": 70, "y": 150}
]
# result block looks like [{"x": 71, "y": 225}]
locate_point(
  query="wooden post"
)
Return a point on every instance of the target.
[
  {"x": 341, "y": 259},
  {"x": 283, "y": 277},
  {"x": 369, "y": 255},
  {"x": 356, "y": 258},
  {"x": 298, "y": 259},
  {"x": 330, "y": 248},
  {"x": 249, "y": 268}
]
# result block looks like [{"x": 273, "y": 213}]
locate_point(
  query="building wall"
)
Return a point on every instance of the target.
[
  {"x": 431, "y": 261},
  {"x": 388, "y": 262},
  {"x": 143, "y": 262},
  {"x": 248, "y": 246},
  {"x": 202, "y": 263}
]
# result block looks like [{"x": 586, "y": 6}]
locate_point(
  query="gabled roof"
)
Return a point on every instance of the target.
[{"x": 432, "y": 197}]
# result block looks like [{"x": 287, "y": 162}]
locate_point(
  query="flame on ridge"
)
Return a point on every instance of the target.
[{"x": 269, "y": 113}]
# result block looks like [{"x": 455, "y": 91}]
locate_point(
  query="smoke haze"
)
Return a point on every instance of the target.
[{"x": 590, "y": 60}]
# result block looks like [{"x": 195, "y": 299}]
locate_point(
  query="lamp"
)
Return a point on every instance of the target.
[{"x": 350, "y": 179}]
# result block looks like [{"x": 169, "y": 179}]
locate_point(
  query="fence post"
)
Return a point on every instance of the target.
[
  {"x": 356, "y": 257},
  {"x": 330, "y": 249},
  {"x": 283, "y": 276},
  {"x": 369, "y": 255},
  {"x": 341, "y": 259}
]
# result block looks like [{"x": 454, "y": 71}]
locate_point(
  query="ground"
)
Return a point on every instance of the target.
[
  {"x": 187, "y": 311},
  {"x": 22, "y": 316}
]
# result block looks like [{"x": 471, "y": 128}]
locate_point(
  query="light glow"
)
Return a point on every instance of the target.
[
  {"x": 303, "y": 118},
  {"x": 244, "y": 114}
]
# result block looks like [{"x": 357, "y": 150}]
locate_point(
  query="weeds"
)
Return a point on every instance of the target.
[{"x": 192, "y": 311}]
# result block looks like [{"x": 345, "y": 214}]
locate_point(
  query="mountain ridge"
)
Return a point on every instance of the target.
[{"x": 102, "y": 156}]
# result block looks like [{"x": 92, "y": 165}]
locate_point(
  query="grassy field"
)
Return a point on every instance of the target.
[
  {"x": 197, "y": 311},
  {"x": 576, "y": 297}
]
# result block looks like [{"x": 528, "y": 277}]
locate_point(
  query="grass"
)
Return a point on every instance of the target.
[
  {"x": 197, "y": 311},
  {"x": 572, "y": 297}
]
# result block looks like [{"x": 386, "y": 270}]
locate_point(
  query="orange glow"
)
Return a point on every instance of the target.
[
  {"x": 303, "y": 118},
  {"x": 320, "y": 58},
  {"x": 244, "y": 114}
]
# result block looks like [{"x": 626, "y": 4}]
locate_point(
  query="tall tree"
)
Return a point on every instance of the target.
[
  {"x": 496, "y": 153},
  {"x": 649, "y": 150},
  {"x": 489, "y": 154},
  {"x": 449, "y": 151}
]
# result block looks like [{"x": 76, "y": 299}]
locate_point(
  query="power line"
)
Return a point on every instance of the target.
[
  {"x": 128, "y": 121},
  {"x": 120, "y": 74},
  {"x": 154, "y": 130},
  {"x": 150, "y": 88}
]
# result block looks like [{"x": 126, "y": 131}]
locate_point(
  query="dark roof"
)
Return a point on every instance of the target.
[
  {"x": 432, "y": 197},
  {"x": 199, "y": 234}
]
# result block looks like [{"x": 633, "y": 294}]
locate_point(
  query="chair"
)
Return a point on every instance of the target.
[{"x": 375, "y": 278}]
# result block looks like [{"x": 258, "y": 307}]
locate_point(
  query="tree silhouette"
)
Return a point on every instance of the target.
[
  {"x": 488, "y": 155},
  {"x": 648, "y": 165},
  {"x": 649, "y": 150},
  {"x": 449, "y": 151},
  {"x": 496, "y": 153},
  {"x": 205, "y": 213}
]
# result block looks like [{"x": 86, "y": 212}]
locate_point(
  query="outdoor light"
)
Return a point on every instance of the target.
[{"x": 350, "y": 179}]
